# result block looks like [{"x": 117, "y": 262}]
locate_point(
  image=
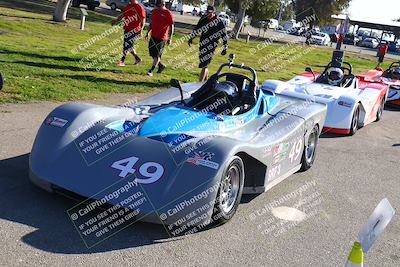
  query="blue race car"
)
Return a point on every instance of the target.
[{"x": 182, "y": 157}]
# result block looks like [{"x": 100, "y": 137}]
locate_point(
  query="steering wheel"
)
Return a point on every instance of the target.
[
  {"x": 241, "y": 76},
  {"x": 388, "y": 72},
  {"x": 333, "y": 64},
  {"x": 349, "y": 67},
  {"x": 394, "y": 64}
]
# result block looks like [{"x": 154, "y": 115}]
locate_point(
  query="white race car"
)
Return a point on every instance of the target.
[{"x": 352, "y": 101}]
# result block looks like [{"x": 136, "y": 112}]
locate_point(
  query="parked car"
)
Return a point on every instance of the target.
[
  {"x": 351, "y": 39},
  {"x": 394, "y": 46},
  {"x": 273, "y": 24},
  {"x": 334, "y": 37},
  {"x": 225, "y": 18},
  {"x": 320, "y": 38},
  {"x": 370, "y": 43},
  {"x": 114, "y": 4},
  {"x": 91, "y": 4},
  {"x": 149, "y": 8},
  {"x": 280, "y": 29}
]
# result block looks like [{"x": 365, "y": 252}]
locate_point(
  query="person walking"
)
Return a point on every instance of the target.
[
  {"x": 134, "y": 19},
  {"x": 382, "y": 50},
  {"x": 162, "y": 30},
  {"x": 211, "y": 29}
]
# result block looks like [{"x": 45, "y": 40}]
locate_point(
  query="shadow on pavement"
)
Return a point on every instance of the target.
[
  {"x": 390, "y": 107},
  {"x": 25, "y": 204}
]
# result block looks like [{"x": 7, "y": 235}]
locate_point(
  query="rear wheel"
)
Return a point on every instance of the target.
[
  {"x": 113, "y": 6},
  {"x": 91, "y": 7},
  {"x": 310, "y": 147},
  {"x": 230, "y": 191},
  {"x": 355, "y": 121},
  {"x": 380, "y": 110}
]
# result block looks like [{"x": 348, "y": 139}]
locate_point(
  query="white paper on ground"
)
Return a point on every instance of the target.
[{"x": 376, "y": 224}]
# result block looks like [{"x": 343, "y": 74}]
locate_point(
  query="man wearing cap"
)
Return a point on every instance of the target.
[
  {"x": 211, "y": 29},
  {"x": 134, "y": 18},
  {"x": 162, "y": 29}
]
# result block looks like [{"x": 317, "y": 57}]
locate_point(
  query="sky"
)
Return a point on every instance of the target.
[{"x": 385, "y": 10}]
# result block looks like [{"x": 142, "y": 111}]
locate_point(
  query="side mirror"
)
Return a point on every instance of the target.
[
  {"x": 308, "y": 69},
  {"x": 177, "y": 84}
]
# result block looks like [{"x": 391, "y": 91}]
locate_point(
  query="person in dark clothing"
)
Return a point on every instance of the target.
[{"x": 211, "y": 29}]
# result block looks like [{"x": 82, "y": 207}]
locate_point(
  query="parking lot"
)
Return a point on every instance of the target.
[{"x": 350, "y": 176}]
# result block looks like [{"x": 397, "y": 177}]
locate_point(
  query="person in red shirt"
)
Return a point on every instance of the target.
[
  {"x": 134, "y": 18},
  {"x": 382, "y": 50},
  {"x": 162, "y": 29}
]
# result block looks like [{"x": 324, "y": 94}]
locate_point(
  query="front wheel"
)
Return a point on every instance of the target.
[
  {"x": 91, "y": 8},
  {"x": 310, "y": 147},
  {"x": 113, "y": 6},
  {"x": 380, "y": 110},
  {"x": 354, "y": 121},
  {"x": 230, "y": 190}
]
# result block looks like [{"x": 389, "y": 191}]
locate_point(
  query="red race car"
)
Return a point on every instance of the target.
[{"x": 391, "y": 77}]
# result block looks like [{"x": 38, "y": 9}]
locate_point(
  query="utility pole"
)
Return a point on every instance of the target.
[{"x": 280, "y": 12}]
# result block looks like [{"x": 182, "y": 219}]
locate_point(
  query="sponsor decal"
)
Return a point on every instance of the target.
[
  {"x": 345, "y": 104},
  {"x": 203, "y": 159},
  {"x": 57, "y": 122},
  {"x": 267, "y": 151},
  {"x": 240, "y": 122},
  {"x": 279, "y": 158},
  {"x": 219, "y": 118},
  {"x": 281, "y": 148}
]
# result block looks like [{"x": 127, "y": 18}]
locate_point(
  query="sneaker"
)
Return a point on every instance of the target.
[
  {"x": 138, "y": 61},
  {"x": 121, "y": 64},
  {"x": 161, "y": 68},
  {"x": 150, "y": 74}
]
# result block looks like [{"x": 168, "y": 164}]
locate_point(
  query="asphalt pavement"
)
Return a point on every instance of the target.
[{"x": 350, "y": 176}]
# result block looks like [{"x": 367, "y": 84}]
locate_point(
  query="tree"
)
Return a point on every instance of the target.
[
  {"x": 60, "y": 13},
  {"x": 258, "y": 9},
  {"x": 323, "y": 9},
  {"x": 288, "y": 12},
  {"x": 262, "y": 10}
]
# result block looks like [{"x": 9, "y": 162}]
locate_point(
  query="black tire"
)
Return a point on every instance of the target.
[
  {"x": 91, "y": 8},
  {"x": 113, "y": 6},
  {"x": 310, "y": 149},
  {"x": 76, "y": 3},
  {"x": 379, "y": 113},
  {"x": 221, "y": 213},
  {"x": 355, "y": 121}
]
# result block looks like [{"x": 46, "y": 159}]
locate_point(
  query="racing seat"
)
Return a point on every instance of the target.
[{"x": 247, "y": 96}]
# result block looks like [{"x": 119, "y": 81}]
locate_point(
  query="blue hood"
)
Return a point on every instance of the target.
[{"x": 183, "y": 120}]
